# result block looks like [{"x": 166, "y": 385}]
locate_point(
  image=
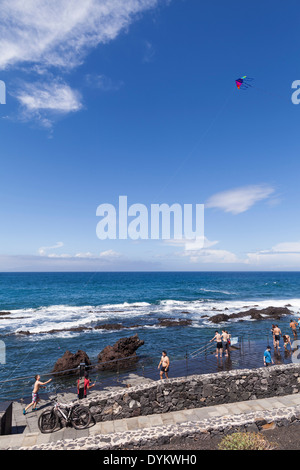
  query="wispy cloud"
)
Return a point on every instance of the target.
[
  {"x": 44, "y": 100},
  {"x": 54, "y": 96},
  {"x": 48, "y": 252},
  {"x": 41, "y": 37},
  {"x": 44, "y": 249},
  {"x": 60, "y": 33},
  {"x": 241, "y": 199},
  {"x": 201, "y": 251},
  {"x": 149, "y": 52},
  {"x": 284, "y": 255},
  {"x": 103, "y": 83}
]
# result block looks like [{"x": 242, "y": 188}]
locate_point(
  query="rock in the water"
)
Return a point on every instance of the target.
[
  {"x": 221, "y": 317},
  {"x": 109, "y": 326},
  {"x": 71, "y": 361},
  {"x": 270, "y": 312},
  {"x": 122, "y": 349}
]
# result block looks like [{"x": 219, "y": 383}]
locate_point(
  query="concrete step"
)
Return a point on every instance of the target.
[{"x": 32, "y": 436}]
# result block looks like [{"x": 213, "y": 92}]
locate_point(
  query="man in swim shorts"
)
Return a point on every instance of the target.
[
  {"x": 35, "y": 393},
  {"x": 164, "y": 365},
  {"x": 226, "y": 341},
  {"x": 218, "y": 339},
  {"x": 277, "y": 333}
]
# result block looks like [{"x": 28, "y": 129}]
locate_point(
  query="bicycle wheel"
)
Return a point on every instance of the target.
[
  {"x": 81, "y": 417},
  {"x": 48, "y": 421}
]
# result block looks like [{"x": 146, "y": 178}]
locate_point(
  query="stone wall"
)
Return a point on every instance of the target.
[
  {"x": 195, "y": 391},
  {"x": 5, "y": 418}
]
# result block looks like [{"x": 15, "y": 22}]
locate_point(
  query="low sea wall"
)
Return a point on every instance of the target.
[
  {"x": 5, "y": 418},
  {"x": 195, "y": 392}
]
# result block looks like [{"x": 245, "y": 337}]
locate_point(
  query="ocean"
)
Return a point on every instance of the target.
[{"x": 39, "y": 303}]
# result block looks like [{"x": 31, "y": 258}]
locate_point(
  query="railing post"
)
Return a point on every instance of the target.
[
  {"x": 81, "y": 369},
  {"x": 186, "y": 362},
  {"x": 143, "y": 369}
]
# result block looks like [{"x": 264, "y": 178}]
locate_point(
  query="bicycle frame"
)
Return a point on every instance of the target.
[{"x": 58, "y": 407}]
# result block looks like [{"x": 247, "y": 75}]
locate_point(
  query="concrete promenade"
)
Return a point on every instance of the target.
[{"x": 28, "y": 435}]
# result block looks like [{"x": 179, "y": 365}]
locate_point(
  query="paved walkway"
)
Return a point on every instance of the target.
[{"x": 31, "y": 435}]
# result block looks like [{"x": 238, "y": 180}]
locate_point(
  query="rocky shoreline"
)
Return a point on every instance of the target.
[{"x": 272, "y": 313}]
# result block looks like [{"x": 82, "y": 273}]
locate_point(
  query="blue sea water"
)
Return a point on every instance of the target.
[{"x": 39, "y": 303}]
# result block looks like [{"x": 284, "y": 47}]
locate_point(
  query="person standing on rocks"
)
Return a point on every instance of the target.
[
  {"x": 218, "y": 339},
  {"x": 164, "y": 365}
]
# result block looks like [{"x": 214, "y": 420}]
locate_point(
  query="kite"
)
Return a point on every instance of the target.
[{"x": 244, "y": 82}]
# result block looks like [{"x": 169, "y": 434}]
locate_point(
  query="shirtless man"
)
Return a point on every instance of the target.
[
  {"x": 277, "y": 333},
  {"x": 164, "y": 365},
  {"x": 293, "y": 325},
  {"x": 218, "y": 339},
  {"x": 35, "y": 393},
  {"x": 226, "y": 340}
]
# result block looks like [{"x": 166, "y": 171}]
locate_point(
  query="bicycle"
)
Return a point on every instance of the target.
[{"x": 77, "y": 415}]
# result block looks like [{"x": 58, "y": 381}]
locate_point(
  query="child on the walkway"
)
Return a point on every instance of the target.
[{"x": 35, "y": 393}]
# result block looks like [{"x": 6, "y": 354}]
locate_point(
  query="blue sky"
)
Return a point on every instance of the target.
[{"x": 138, "y": 98}]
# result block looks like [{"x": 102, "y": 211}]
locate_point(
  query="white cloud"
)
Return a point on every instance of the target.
[
  {"x": 239, "y": 200},
  {"x": 208, "y": 256},
  {"x": 84, "y": 255},
  {"x": 107, "y": 255},
  {"x": 39, "y": 36},
  {"x": 103, "y": 83},
  {"x": 200, "y": 251},
  {"x": 287, "y": 247},
  {"x": 46, "y": 100},
  {"x": 52, "y": 96},
  {"x": 43, "y": 250},
  {"x": 190, "y": 245},
  {"x": 60, "y": 33},
  {"x": 110, "y": 254},
  {"x": 284, "y": 255}
]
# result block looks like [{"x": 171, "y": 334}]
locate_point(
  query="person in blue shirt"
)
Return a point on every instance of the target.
[{"x": 267, "y": 357}]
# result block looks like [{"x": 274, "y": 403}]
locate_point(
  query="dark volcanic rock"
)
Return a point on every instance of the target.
[
  {"x": 270, "y": 312},
  {"x": 109, "y": 326},
  {"x": 122, "y": 349},
  {"x": 219, "y": 318},
  {"x": 71, "y": 361}
]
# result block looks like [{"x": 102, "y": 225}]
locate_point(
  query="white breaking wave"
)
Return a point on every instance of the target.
[{"x": 64, "y": 318}]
